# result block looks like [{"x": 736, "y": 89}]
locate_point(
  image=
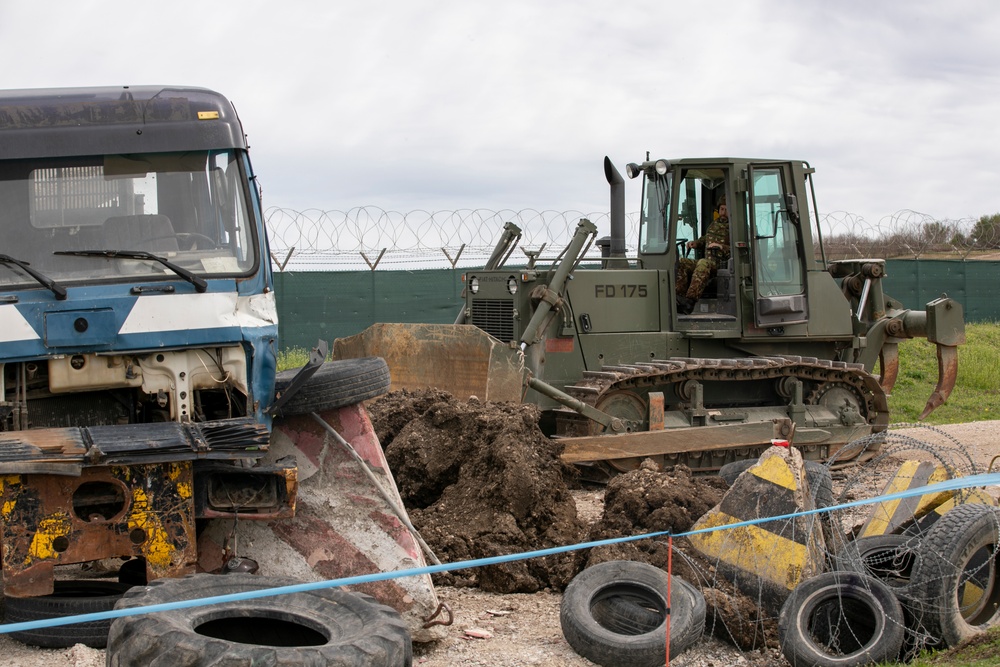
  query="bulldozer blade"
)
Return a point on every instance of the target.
[
  {"x": 888, "y": 361},
  {"x": 459, "y": 358},
  {"x": 947, "y": 356}
]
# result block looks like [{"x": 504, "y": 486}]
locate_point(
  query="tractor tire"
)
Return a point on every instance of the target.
[
  {"x": 83, "y": 596},
  {"x": 322, "y": 627},
  {"x": 614, "y": 614},
  {"x": 841, "y": 619},
  {"x": 955, "y": 578},
  {"x": 335, "y": 384}
]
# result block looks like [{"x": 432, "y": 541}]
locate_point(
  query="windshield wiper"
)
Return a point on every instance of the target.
[
  {"x": 42, "y": 279},
  {"x": 199, "y": 283}
]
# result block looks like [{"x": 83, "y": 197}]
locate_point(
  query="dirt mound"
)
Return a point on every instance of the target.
[
  {"x": 648, "y": 500},
  {"x": 393, "y": 411},
  {"x": 481, "y": 480}
]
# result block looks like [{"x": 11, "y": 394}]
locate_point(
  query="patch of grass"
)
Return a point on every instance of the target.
[
  {"x": 293, "y": 357},
  {"x": 976, "y": 396},
  {"x": 980, "y": 651}
]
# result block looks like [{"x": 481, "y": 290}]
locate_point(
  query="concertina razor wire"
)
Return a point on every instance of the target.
[{"x": 369, "y": 237}]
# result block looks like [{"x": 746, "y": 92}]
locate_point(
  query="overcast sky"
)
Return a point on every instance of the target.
[{"x": 443, "y": 105}]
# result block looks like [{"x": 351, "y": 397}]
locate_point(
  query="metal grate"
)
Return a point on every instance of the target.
[{"x": 495, "y": 317}]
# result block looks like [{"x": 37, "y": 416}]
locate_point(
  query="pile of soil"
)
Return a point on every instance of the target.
[
  {"x": 481, "y": 480},
  {"x": 649, "y": 500}
]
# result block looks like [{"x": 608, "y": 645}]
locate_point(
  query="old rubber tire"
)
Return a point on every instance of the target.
[
  {"x": 335, "y": 384},
  {"x": 817, "y": 475},
  {"x": 820, "y": 484},
  {"x": 322, "y": 627},
  {"x": 631, "y": 614},
  {"x": 614, "y": 614},
  {"x": 841, "y": 619},
  {"x": 955, "y": 578},
  {"x": 83, "y": 596},
  {"x": 889, "y": 558}
]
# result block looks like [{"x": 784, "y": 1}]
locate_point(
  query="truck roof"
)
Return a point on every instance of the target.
[{"x": 54, "y": 122}]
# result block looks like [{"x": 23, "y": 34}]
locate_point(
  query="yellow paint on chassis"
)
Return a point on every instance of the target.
[{"x": 44, "y": 524}]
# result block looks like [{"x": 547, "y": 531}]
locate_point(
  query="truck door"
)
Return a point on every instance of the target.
[{"x": 776, "y": 244}]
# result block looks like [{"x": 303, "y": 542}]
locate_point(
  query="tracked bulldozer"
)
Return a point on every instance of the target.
[{"x": 625, "y": 365}]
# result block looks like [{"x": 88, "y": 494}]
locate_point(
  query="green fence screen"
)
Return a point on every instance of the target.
[
  {"x": 328, "y": 305},
  {"x": 316, "y": 306}
]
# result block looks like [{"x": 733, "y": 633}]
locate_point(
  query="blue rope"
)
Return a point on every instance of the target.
[{"x": 990, "y": 479}]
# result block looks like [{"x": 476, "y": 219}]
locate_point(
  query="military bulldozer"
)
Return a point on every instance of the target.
[{"x": 781, "y": 344}]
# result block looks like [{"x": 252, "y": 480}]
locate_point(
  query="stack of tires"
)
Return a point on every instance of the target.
[{"x": 938, "y": 588}]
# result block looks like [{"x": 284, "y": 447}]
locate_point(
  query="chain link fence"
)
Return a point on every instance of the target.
[{"x": 369, "y": 237}]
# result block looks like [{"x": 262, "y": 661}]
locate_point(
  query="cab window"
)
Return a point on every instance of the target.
[{"x": 776, "y": 237}]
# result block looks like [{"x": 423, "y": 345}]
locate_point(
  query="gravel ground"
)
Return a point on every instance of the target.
[{"x": 523, "y": 629}]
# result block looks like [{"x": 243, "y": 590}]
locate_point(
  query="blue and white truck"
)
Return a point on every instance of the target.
[{"x": 138, "y": 336}]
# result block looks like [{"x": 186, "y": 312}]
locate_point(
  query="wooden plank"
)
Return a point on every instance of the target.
[{"x": 669, "y": 441}]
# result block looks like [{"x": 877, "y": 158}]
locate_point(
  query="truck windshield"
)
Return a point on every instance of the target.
[
  {"x": 653, "y": 236},
  {"x": 189, "y": 208}
]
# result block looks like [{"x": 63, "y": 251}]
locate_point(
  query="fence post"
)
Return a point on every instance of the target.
[
  {"x": 453, "y": 261},
  {"x": 372, "y": 315},
  {"x": 377, "y": 259},
  {"x": 281, "y": 265}
]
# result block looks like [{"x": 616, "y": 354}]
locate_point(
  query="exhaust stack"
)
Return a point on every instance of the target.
[{"x": 616, "y": 256}]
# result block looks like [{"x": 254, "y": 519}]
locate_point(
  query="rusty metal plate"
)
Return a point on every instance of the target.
[{"x": 106, "y": 512}]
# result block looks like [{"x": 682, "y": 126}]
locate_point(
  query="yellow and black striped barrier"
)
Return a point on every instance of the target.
[
  {"x": 914, "y": 515},
  {"x": 766, "y": 559}
]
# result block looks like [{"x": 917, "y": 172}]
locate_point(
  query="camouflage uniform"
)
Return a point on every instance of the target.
[
  {"x": 692, "y": 276},
  {"x": 682, "y": 275}
]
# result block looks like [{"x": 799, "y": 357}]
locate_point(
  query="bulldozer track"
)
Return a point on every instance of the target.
[{"x": 672, "y": 377}]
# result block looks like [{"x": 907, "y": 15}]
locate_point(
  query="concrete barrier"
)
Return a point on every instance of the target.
[
  {"x": 893, "y": 516},
  {"x": 769, "y": 559}
]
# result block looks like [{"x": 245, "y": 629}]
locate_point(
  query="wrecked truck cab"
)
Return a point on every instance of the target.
[{"x": 139, "y": 342}]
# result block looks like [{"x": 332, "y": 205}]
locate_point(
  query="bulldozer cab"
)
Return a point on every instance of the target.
[{"x": 729, "y": 235}]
